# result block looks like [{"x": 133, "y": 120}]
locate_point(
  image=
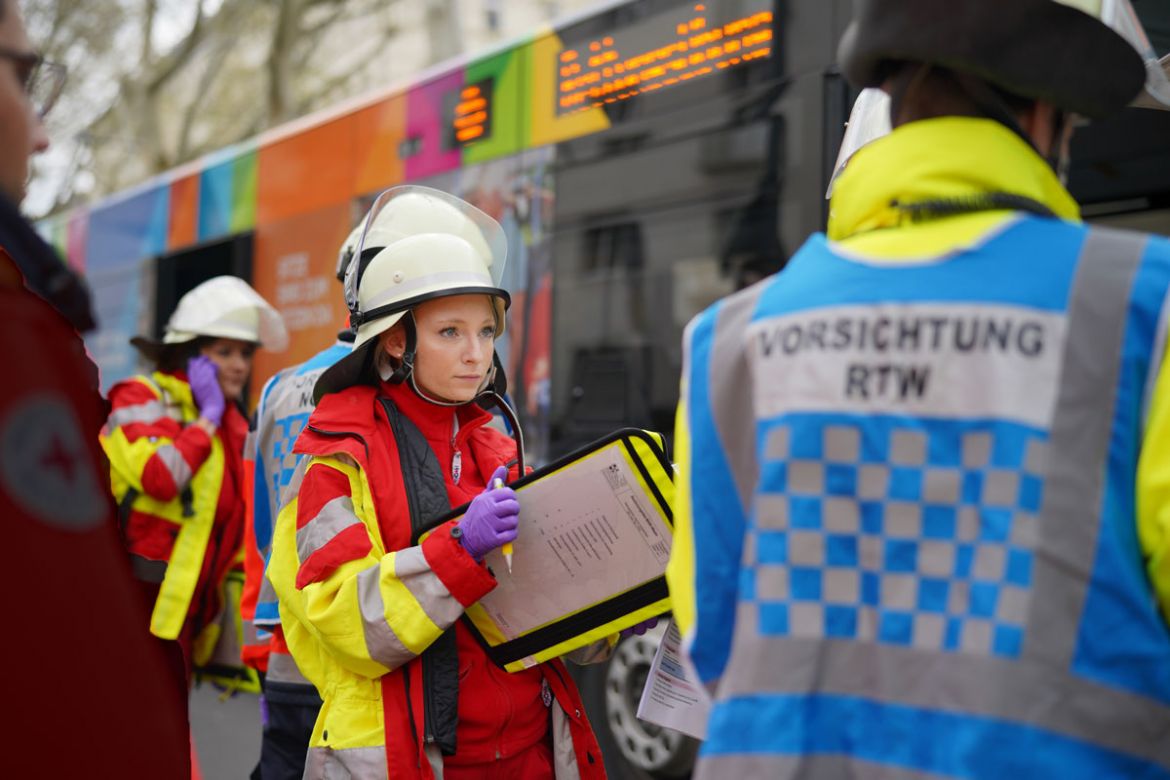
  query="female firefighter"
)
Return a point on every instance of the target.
[
  {"x": 175, "y": 440},
  {"x": 370, "y": 613}
]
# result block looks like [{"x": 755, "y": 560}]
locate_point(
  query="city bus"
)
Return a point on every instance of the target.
[{"x": 645, "y": 158}]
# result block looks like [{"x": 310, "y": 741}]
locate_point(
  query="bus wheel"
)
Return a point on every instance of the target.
[{"x": 633, "y": 749}]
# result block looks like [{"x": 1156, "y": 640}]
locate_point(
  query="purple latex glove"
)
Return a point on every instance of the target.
[
  {"x": 491, "y": 519},
  {"x": 263, "y": 711},
  {"x": 203, "y": 375},
  {"x": 640, "y": 628}
]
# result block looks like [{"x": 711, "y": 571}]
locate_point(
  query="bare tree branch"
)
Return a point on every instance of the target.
[{"x": 181, "y": 54}]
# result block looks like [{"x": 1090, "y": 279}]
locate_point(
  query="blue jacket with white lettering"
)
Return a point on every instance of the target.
[
  {"x": 912, "y": 467},
  {"x": 286, "y": 403}
]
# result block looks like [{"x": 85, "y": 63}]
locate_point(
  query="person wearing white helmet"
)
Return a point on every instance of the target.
[
  {"x": 175, "y": 441},
  {"x": 924, "y": 504},
  {"x": 291, "y": 703},
  {"x": 370, "y": 611}
]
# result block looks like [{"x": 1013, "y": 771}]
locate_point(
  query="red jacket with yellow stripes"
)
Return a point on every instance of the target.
[
  {"x": 178, "y": 451},
  {"x": 354, "y": 424}
]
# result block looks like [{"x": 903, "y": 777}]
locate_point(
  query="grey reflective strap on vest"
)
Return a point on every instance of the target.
[
  {"x": 282, "y": 668},
  {"x": 730, "y": 384},
  {"x": 1038, "y": 689},
  {"x": 989, "y": 686},
  {"x": 267, "y": 596},
  {"x": 809, "y": 767},
  {"x": 1081, "y": 427}
]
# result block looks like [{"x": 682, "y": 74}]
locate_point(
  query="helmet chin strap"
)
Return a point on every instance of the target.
[
  {"x": 483, "y": 388},
  {"x": 404, "y": 372}
]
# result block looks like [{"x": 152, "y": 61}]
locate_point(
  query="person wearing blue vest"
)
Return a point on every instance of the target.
[
  {"x": 291, "y": 702},
  {"x": 923, "y": 512}
]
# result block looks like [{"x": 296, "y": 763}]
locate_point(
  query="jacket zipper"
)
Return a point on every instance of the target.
[{"x": 428, "y": 715}]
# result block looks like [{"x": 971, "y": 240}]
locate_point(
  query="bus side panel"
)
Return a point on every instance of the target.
[{"x": 294, "y": 267}]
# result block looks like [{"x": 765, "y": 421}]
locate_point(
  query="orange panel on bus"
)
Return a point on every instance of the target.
[
  {"x": 306, "y": 171},
  {"x": 294, "y": 269},
  {"x": 184, "y": 221},
  {"x": 378, "y": 131}
]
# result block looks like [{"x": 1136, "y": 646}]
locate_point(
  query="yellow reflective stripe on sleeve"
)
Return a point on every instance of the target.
[
  {"x": 382, "y": 642},
  {"x": 410, "y": 621},
  {"x": 1153, "y": 490},
  {"x": 680, "y": 570},
  {"x": 186, "y": 561}
]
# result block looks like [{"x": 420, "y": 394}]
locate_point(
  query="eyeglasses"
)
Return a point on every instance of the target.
[{"x": 41, "y": 79}]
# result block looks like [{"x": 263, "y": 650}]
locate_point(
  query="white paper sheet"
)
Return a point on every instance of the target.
[
  {"x": 587, "y": 533},
  {"x": 673, "y": 697}
]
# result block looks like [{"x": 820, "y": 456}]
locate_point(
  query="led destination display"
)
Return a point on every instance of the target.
[{"x": 661, "y": 51}]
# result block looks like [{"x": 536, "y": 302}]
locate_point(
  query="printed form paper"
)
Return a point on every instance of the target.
[
  {"x": 673, "y": 697},
  {"x": 587, "y": 533}
]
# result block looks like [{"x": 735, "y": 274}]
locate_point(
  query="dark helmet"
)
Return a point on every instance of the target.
[{"x": 1062, "y": 51}]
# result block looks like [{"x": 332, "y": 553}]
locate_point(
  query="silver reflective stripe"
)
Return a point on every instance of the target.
[
  {"x": 1081, "y": 428},
  {"x": 445, "y": 279},
  {"x": 1157, "y": 358},
  {"x": 267, "y": 596},
  {"x": 412, "y": 569},
  {"x": 730, "y": 382},
  {"x": 807, "y": 767},
  {"x": 336, "y": 516},
  {"x": 565, "y": 765},
  {"x": 293, "y": 488},
  {"x": 176, "y": 465},
  {"x": 988, "y": 686},
  {"x": 383, "y": 644},
  {"x": 250, "y": 636},
  {"x": 366, "y": 763},
  {"x": 435, "y": 759},
  {"x": 282, "y": 668},
  {"x": 148, "y": 412}
]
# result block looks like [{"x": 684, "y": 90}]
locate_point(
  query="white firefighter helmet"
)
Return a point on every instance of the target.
[
  {"x": 417, "y": 244},
  {"x": 223, "y": 307}
]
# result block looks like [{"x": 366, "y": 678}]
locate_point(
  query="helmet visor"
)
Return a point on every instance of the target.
[
  {"x": 412, "y": 210},
  {"x": 1120, "y": 17},
  {"x": 868, "y": 121}
]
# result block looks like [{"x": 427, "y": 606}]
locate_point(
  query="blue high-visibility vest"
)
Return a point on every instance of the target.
[{"x": 923, "y": 498}]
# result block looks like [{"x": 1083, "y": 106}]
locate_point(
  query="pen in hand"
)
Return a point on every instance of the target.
[{"x": 506, "y": 548}]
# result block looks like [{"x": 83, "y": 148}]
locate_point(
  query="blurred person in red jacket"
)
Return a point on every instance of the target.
[
  {"x": 175, "y": 440},
  {"x": 88, "y": 683}
]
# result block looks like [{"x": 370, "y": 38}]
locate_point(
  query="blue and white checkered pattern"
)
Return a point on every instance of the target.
[
  {"x": 914, "y": 536},
  {"x": 289, "y": 428}
]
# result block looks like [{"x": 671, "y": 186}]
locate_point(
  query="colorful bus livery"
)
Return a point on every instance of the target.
[{"x": 274, "y": 209}]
